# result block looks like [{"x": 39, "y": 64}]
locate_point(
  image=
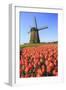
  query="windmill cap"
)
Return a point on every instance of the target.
[{"x": 33, "y": 28}]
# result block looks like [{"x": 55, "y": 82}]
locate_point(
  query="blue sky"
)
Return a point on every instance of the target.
[{"x": 26, "y": 21}]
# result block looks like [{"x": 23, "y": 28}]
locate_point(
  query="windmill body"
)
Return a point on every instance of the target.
[
  {"x": 34, "y": 37},
  {"x": 34, "y": 33}
]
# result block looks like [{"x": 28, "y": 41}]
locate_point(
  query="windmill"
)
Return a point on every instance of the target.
[{"x": 34, "y": 33}]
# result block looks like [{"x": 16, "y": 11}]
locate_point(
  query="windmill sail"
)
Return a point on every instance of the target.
[
  {"x": 43, "y": 28},
  {"x": 35, "y": 22}
]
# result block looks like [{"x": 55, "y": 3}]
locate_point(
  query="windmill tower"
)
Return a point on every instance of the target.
[{"x": 34, "y": 33}]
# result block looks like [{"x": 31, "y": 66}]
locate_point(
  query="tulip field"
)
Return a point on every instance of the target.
[{"x": 39, "y": 61}]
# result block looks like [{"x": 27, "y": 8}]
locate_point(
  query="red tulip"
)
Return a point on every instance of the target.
[{"x": 26, "y": 69}]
